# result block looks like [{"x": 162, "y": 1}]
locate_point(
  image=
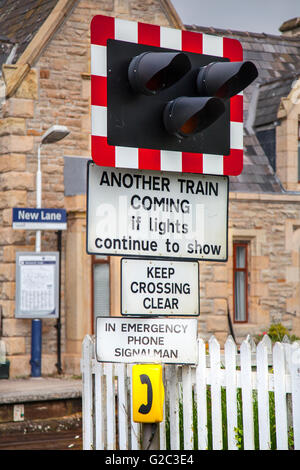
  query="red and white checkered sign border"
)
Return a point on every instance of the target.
[{"x": 105, "y": 27}]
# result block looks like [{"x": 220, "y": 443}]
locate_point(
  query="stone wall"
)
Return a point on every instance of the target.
[
  {"x": 55, "y": 91},
  {"x": 271, "y": 225}
]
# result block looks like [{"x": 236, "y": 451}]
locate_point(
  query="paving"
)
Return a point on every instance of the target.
[
  {"x": 52, "y": 413},
  {"x": 39, "y": 389}
]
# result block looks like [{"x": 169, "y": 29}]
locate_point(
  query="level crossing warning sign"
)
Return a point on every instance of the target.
[
  {"x": 146, "y": 340},
  {"x": 156, "y": 214},
  {"x": 159, "y": 287}
]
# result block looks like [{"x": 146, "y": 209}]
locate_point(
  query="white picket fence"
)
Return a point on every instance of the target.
[{"x": 217, "y": 404}]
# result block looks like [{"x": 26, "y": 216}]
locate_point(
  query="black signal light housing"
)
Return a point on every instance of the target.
[
  {"x": 164, "y": 99},
  {"x": 141, "y": 82}
]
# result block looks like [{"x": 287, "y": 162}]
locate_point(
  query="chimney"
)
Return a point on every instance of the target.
[{"x": 291, "y": 27}]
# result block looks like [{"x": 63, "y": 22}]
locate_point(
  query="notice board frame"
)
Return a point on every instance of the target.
[{"x": 41, "y": 258}]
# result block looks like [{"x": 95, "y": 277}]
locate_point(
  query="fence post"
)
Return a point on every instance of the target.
[
  {"x": 187, "y": 406},
  {"x": 135, "y": 427},
  {"x": 231, "y": 395},
  {"x": 216, "y": 411},
  {"x": 150, "y": 436},
  {"x": 87, "y": 393},
  {"x": 173, "y": 399},
  {"x": 122, "y": 406},
  {"x": 247, "y": 401},
  {"x": 201, "y": 396},
  {"x": 280, "y": 397},
  {"x": 263, "y": 396},
  {"x": 99, "y": 407},
  {"x": 295, "y": 376}
]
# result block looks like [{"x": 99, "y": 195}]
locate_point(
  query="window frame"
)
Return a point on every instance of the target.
[
  {"x": 95, "y": 260},
  {"x": 245, "y": 244}
]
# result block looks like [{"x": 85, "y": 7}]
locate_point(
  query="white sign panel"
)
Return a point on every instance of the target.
[
  {"x": 39, "y": 219},
  {"x": 172, "y": 341},
  {"x": 37, "y": 284},
  {"x": 159, "y": 287},
  {"x": 156, "y": 214}
]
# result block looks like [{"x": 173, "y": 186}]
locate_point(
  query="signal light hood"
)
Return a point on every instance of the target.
[
  {"x": 186, "y": 116},
  {"x": 151, "y": 72},
  {"x": 225, "y": 79}
]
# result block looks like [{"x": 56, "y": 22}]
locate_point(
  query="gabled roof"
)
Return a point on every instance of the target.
[
  {"x": 277, "y": 59},
  {"x": 33, "y": 24},
  {"x": 30, "y": 24}
]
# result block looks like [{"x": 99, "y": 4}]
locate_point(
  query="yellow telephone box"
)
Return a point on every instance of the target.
[{"x": 147, "y": 393}]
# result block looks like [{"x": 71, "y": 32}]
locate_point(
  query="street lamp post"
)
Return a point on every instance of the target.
[{"x": 52, "y": 135}]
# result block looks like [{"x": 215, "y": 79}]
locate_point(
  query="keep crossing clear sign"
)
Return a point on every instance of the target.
[
  {"x": 159, "y": 287},
  {"x": 156, "y": 214}
]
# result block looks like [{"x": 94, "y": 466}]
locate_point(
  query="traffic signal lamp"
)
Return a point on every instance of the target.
[
  {"x": 186, "y": 116},
  {"x": 225, "y": 80},
  {"x": 172, "y": 100},
  {"x": 151, "y": 72}
]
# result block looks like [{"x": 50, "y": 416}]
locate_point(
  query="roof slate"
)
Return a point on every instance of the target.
[
  {"x": 277, "y": 59},
  {"x": 270, "y": 94},
  {"x": 6, "y": 46},
  {"x": 19, "y": 22}
]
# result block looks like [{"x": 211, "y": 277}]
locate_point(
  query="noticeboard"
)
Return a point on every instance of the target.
[{"x": 37, "y": 285}]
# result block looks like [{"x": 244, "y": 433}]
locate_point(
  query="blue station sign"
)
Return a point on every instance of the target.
[{"x": 39, "y": 219}]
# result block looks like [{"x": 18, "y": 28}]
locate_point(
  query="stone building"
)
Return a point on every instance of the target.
[{"x": 45, "y": 80}]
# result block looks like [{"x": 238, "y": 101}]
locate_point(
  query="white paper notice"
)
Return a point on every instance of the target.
[{"x": 37, "y": 283}]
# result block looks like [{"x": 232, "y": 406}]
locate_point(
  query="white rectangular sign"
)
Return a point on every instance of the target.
[
  {"x": 172, "y": 341},
  {"x": 159, "y": 287},
  {"x": 37, "y": 288},
  {"x": 156, "y": 214},
  {"x": 39, "y": 219}
]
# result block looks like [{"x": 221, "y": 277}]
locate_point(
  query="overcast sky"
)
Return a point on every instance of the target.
[{"x": 256, "y": 16}]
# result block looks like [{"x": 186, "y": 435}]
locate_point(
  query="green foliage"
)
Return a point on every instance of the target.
[
  {"x": 239, "y": 438},
  {"x": 239, "y": 433},
  {"x": 276, "y": 333}
]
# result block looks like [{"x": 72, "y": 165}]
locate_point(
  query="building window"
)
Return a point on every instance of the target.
[
  {"x": 240, "y": 281},
  {"x": 298, "y": 151},
  {"x": 100, "y": 287}
]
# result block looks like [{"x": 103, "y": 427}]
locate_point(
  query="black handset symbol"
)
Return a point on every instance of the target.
[{"x": 144, "y": 409}]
